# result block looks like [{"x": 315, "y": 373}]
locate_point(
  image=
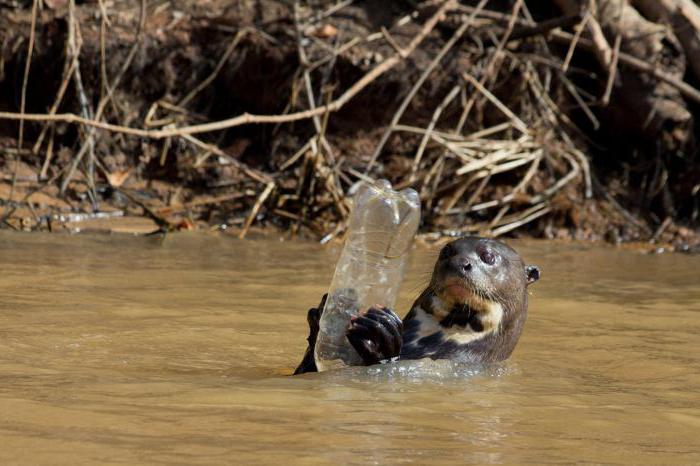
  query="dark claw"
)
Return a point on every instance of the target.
[
  {"x": 365, "y": 347},
  {"x": 376, "y": 335},
  {"x": 388, "y": 319},
  {"x": 379, "y": 331},
  {"x": 386, "y": 312}
]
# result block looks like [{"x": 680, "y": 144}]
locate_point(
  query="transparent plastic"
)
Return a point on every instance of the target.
[{"x": 369, "y": 272}]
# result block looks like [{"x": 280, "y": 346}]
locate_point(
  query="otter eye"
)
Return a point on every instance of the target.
[{"x": 487, "y": 257}]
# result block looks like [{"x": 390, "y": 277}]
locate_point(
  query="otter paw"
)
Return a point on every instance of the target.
[
  {"x": 313, "y": 317},
  {"x": 376, "y": 335}
]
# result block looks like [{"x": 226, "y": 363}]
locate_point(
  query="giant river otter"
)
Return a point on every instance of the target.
[{"x": 473, "y": 310}]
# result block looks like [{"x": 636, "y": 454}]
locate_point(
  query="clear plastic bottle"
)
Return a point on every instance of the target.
[{"x": 380, "y": 233}]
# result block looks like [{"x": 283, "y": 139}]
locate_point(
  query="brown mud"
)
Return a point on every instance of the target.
[{"x": 510, "y": 118}]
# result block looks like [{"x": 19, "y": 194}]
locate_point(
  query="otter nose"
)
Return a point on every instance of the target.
[{"x": 462, "y": 266}]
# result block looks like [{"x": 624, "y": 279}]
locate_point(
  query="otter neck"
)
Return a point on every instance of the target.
[
  {"x": 478, "y": 314},
  {"x": 496, "y": 328}
]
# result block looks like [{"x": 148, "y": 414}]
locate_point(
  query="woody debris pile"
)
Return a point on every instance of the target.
[{"x": 559, "y": 118}]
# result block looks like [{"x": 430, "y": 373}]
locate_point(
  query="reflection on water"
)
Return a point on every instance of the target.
[{"x": 123, "y": 350}]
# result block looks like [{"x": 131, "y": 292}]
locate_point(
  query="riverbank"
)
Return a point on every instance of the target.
[{"x": 506, "y": 119}]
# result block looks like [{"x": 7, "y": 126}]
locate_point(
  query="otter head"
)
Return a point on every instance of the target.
[
  {"x": 478, "y": 271},
  {"x": 482, "y": 283}
]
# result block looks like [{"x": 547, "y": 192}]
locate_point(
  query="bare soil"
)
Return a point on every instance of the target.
[{"x": 590, "y": 164}]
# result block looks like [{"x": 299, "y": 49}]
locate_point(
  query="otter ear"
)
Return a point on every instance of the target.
[{"x": 532, "y": 273}]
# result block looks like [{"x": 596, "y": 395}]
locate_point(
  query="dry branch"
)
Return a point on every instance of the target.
[
  {"x": 248, "y": 118},
  {"x": 495, "y": 138}
]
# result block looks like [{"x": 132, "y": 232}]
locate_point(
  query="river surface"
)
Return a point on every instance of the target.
[{"x": 126, "y": 350}]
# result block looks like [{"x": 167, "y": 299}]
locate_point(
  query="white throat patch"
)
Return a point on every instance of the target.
[{"x": 490, "y": 315}]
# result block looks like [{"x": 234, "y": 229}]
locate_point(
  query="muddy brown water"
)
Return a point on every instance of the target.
[{"x": 123, "y": 350}]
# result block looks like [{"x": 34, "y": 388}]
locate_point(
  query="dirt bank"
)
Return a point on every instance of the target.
[{"x": 511, "y": 118}]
